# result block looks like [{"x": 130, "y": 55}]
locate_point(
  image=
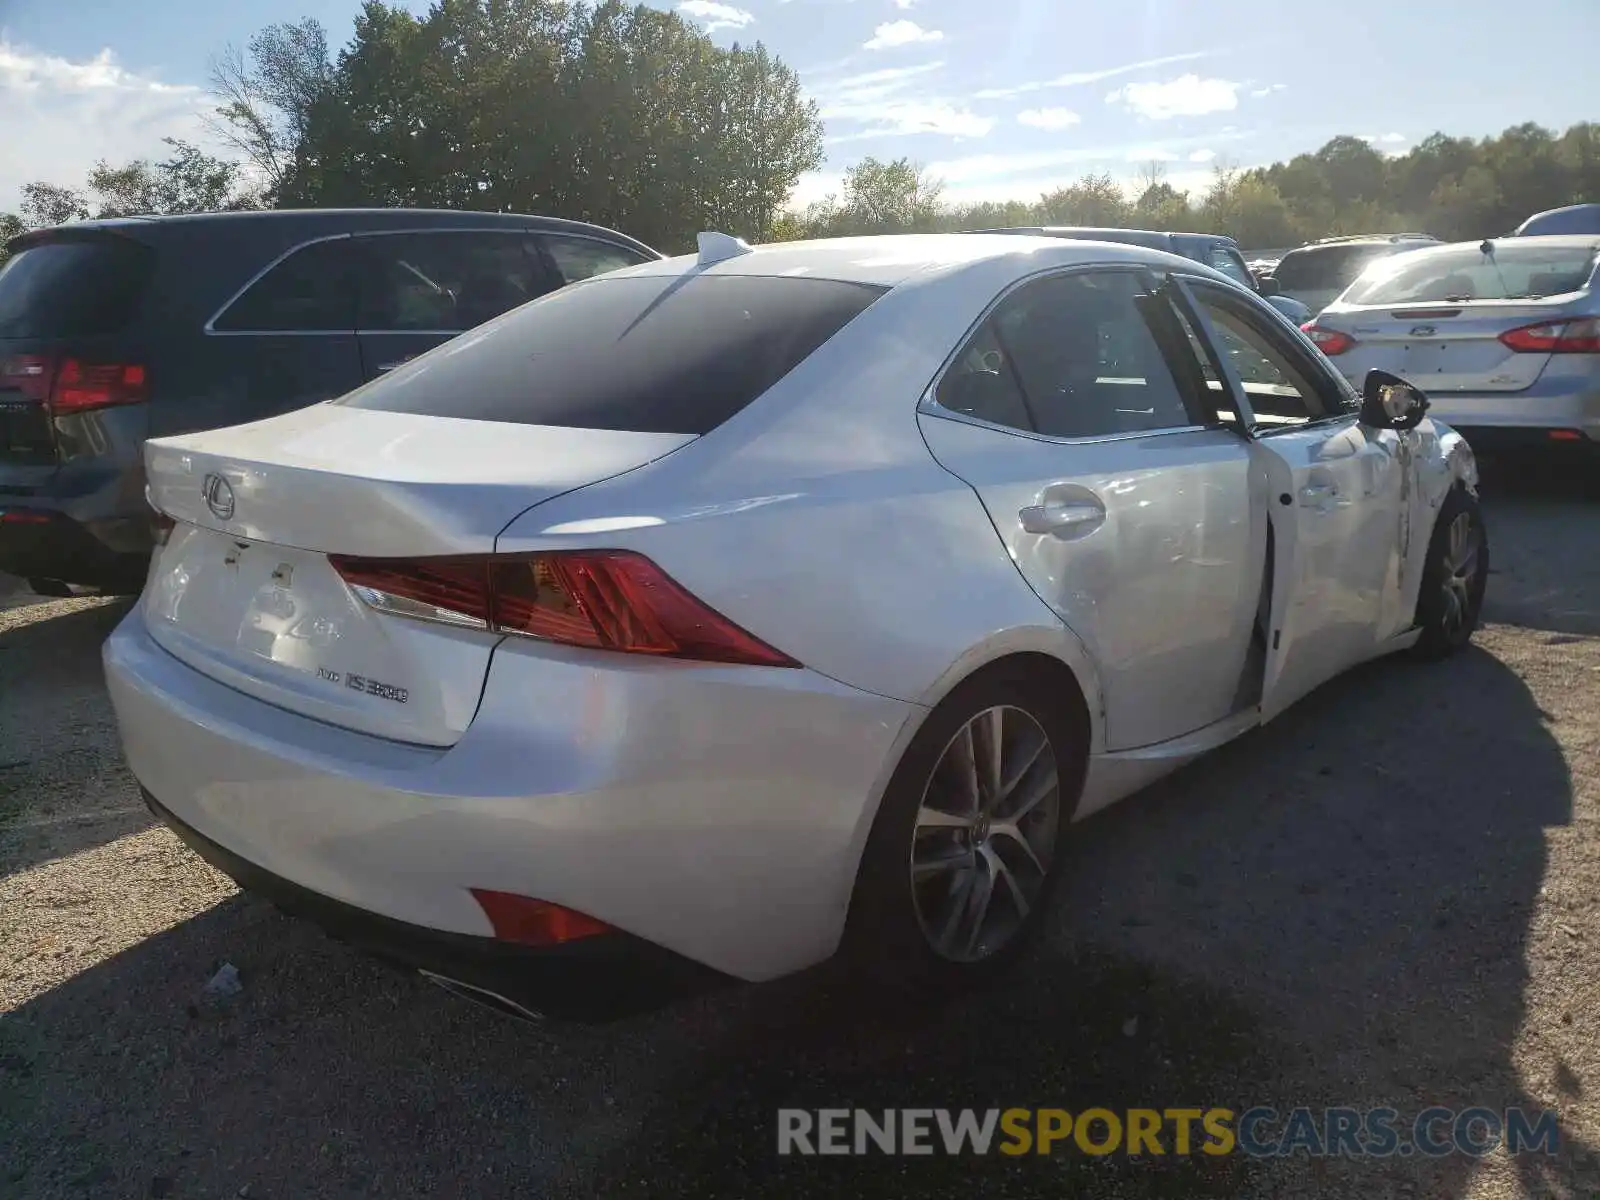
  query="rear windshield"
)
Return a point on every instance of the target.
[
  {"x": 1515, "y": 271},
  {"x": 1326, "y": 268},
  {"x": 649, "y": 354},
  {"x": 74, "y": 287}
]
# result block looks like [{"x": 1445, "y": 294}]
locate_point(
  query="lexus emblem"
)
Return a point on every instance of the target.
[
  {"x": 1423, "y": 331},
  {"x": 219, "y": 496}
]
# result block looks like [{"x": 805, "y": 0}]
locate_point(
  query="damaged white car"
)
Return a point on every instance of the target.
[{"x": 728, "y": 611}]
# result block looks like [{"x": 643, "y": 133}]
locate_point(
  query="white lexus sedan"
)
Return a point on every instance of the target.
[{"x": 714, "y": 616}]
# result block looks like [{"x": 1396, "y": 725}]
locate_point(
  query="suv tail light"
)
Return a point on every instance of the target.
[
  {"x": 72, "y": 385},
  {"x": 600, "y": 599},
  {"x": 1329, "y": 341},
  {"x": 1581, "y": 335}
]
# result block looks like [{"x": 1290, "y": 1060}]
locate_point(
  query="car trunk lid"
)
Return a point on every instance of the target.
[
  {"x": 244, "y": 592},
  {"x": 1444, "y": 348}
]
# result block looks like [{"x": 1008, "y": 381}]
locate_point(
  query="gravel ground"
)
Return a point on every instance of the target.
[{"x": 1386, "y": 897}]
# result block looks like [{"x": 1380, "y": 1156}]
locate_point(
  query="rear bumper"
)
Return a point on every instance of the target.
[
  {"x": 714, "y": 812},
  {"x": 1561, "y": 441},
  {"x": 42, "y": 541},
  {"x": 1520, "y": 418},
  {"x": 593, "y": 979}
]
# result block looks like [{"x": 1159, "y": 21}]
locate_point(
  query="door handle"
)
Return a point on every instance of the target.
[{"x": 1062, "y": 520}]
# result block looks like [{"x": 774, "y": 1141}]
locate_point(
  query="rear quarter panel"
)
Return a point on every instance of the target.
[{"x": 818, "y": 520}]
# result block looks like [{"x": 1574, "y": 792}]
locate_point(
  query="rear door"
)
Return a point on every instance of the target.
[
  {"x": 1074, "y": 413},
  {"x": 65, "y": 295},
  {"x": 419, "y": 289},
  {"x": 290, "y": 340},
  {"x": 1340, "y": 496}
]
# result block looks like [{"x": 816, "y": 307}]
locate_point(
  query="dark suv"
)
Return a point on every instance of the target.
[{"x": 112, "y": 332}]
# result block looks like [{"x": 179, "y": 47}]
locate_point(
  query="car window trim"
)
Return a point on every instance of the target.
[
  {"x": 929, "y": 404},
  {"x": 1317, "y": 374},
  {"x": 529, "y": 247}
]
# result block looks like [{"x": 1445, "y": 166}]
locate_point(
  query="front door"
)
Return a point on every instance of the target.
[
  {"x": 1339, "y": 492},
  {"x": 1074, "y": 412},
  {"x": 422, "y": 288}
]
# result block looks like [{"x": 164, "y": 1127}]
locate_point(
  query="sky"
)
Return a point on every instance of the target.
[{"x": 996, "y": 98}]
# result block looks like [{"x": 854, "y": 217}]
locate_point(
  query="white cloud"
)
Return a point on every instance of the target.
[
  {"x": 899, "y": 33},
  {"x": 907, "y": 117},
  {"x": 1186, "y": 96},
  {"x": 904, "y": 4},
  {"x": 1202, "y": 156},
  {"x": 1053, "y": 119},
  {"x": 1148, "y": 154},
  {"x": 1267, "y": 90},
  {"x": 62, "y": 115},
  {"x": 1079, "y": 78},
  {"x": 717, "y": 16},
  {"x": 892, "y": 102}
]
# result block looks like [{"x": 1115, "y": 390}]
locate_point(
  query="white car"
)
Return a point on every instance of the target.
[{"x": 726, "y": 611}]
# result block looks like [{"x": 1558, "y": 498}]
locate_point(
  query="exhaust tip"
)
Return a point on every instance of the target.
[{"x": 484, "y": 997}]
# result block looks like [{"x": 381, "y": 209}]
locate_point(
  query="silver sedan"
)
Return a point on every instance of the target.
[
  {"x": 738, "y": 609},
  {"x": 1504, "y": 335}
]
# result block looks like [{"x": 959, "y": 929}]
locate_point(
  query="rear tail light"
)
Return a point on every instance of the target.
[
  {"x": 1580, "y": 335},
  {"x": 72, "y": 385},
  {"x": 22, "y": 516},
  {"x": 28, "y": 374},
  {"x": 1329, "y": 341},
  {"x": 600, "y": 599},
  {"x": 81, "y": 386}
]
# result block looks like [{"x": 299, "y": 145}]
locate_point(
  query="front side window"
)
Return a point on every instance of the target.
[
  {"x": 583, "y": 258},
  {"x": 310, "y": 291},
  {"x": 1068, "y": 356},
  {"x": 648, "y": 354},
  {"x": 1282, "y": 389},
  {"x": 443, "y": 281}
]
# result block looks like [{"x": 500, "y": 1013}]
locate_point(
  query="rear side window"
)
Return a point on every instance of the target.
[
  {"x": 657, "y": 354},
  {"x": 310, "y": 291},
  {"x": 1515, "y": 271},
  {"x": 444, "y": 282},
  {"x": 582, "y": 258},
  {"x": 1326, "y": 268},
  {"x": 74, "y": 287}
]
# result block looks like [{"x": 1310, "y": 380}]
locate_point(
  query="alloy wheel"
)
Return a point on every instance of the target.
[
  {"x": 986, "y": 834},
  {"x": 1461, "y": 554}
]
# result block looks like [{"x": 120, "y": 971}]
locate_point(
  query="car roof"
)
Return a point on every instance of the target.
[
  {"x": 332, "y": 221},
  {"x": 891, "y": 260},
  {"x": 1554, "y": 241}
]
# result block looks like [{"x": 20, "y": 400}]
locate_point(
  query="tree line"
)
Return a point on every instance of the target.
[{"x": 631, "y": 117}]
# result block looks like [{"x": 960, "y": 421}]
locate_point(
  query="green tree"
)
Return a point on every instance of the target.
[
  {"x": 623, "y": 115},
  {"x": 1095, "y": 200},
  {"x": 265, "y": 95}
]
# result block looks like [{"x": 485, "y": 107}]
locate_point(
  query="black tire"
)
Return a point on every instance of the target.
[
  {"x": 887, "y": 940},
  {"x": 1451, "y": 595}
]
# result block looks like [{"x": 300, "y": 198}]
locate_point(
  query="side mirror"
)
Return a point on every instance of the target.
[
  {"x": 1268, "y": 286},
  {"x": 1389, "y": 402}
]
